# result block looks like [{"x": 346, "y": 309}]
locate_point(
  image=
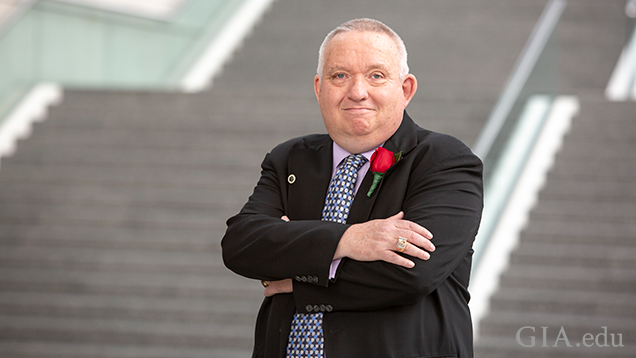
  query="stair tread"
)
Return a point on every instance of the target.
[{"x": 34, "y": 348}]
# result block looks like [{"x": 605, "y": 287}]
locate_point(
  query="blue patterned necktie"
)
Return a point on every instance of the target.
[{"x": 306, "y": 338}]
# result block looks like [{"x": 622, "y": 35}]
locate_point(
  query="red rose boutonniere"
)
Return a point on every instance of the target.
[{"x": 381, "y": 160}]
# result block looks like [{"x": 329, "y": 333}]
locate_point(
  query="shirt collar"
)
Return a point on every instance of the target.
[{"x": 340, "y": 153}]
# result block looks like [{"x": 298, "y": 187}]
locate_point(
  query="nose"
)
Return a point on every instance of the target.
[{"x": 358, "y": 90}]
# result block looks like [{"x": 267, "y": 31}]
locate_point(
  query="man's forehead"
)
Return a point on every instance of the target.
[{"x": 360, "y": 49}]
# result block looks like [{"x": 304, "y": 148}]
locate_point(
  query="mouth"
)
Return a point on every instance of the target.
[{"x": 358, "y": 109}]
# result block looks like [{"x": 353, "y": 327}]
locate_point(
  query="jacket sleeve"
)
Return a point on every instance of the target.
[
  {"x": 259, "y": 245},
  {"x": 443, "y": 195}
]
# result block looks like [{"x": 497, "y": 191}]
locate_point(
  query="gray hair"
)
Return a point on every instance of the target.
[{"x": 366, "y": 25}]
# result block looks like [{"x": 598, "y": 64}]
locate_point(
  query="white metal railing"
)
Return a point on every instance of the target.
[
  {"x": 544, "y": 122},
  {"x": 520, "y": 73},
  {"x": 622, "y": 84}
]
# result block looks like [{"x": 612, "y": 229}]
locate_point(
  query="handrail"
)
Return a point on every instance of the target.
[
  {"x": 521, "y": 71},
  {"x": 22, "y": 8},
  {"x": 518, "y": 136},
  {"x": 622, "y": 83}
]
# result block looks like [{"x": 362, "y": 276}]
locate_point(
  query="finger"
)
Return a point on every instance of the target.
[
  {"x": 415, "y": 227},
  {"x": 398, "y": 216},
  {"x": 417, "y": 240},
  {"x": 403, "y": 246},
  {"x": 284, "y": 218},
  {"x": 419, "y": 233},
  {"x": 415, "y": 251},
  {"x": 396, "y": 259}
]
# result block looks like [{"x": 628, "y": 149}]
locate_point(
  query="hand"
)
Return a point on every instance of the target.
[
  {"x": 377, "y": 239},
  {"x": 275, "y": 287}
]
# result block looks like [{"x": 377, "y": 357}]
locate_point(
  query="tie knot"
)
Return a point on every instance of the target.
[{"x": 354, "y": 161}]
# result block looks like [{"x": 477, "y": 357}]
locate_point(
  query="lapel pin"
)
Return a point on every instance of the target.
[{"x": 291, "y": 179}]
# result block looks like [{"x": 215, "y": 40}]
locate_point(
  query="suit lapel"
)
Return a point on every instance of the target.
[
  {"x": 311, "y": 167},
  {"x": 405, "y": 140}
]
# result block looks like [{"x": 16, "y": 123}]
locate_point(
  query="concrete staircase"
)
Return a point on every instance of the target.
[
  {"x": 575, "y": 266},
  {"x": 112, "y": 212}
]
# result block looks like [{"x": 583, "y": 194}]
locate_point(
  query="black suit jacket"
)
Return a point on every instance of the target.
[{"x": 372, "y": 309}]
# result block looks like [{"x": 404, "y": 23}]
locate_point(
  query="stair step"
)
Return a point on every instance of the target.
[
  {"x": 261, "y": 124},
  {"x": 180, "y": 107},
  {"x": 595, "y": 168},
  {"x": 574, "y": 326},
  {"x": 104, "y": 331},
  {"x": 114, "y": 215},
  {"x": 107, "y": 236},
  {"x": 581, "y": 231},
  {"x": 579, "y": 210},
  {"x": 235, "y": 310},
  {"x": 122, "y": 195},
  {"x": 507, "y": 346},
  {"x": 139, "y": 175},
  {"x": 129, "y": 283},
  {"x": 238, "y": 310},
  {"x": 580, "y": 255},
  {"x": 587, "y": 147},
  {"x": 570, "y": 278},
  {"x": 592, "y": 304},
  {"x": 110, "y": 260},
  {"x": 79, "y": 155},
  {"x": 38, "y": 349},
  {"x": 608, "y": 190},
  {"x": 597, "y": 111},
  {"x": 50, "y": 137}
]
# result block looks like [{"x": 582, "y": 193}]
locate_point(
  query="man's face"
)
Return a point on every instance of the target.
[{"x": 361, "y": 95}]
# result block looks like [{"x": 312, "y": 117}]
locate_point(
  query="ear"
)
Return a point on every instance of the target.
[
  {"x": 409, "y": 87},
  {"x": 317, "y": 87}
]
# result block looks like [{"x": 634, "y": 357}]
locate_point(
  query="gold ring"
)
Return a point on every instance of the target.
[
  {"x": 401, "y": 244},
  {"x": 265, "y": 284}
]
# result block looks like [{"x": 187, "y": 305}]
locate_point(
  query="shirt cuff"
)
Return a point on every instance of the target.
[{"x": 334, "y": 268}]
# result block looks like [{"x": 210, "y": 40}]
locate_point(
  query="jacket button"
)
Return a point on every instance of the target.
[
  {"x": 329, "y": 308},
  {"x": 309, "y": 308},
  {"x": 316, "y": 308},
  {"x": 323, "y": 308}
]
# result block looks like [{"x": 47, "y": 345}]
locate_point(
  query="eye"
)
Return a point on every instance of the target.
[
  {"x": 339, "y": 76},
  {"x": 377, "y": 76}
]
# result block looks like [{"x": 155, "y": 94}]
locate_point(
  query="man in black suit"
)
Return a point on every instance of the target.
[{"x": 380, "y": 283}]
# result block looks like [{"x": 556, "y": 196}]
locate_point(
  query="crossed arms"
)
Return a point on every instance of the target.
[{"x": 439, "y": 195}]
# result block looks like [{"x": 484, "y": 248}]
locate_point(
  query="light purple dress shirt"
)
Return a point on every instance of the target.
[{"x": 338, "y": 155}]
